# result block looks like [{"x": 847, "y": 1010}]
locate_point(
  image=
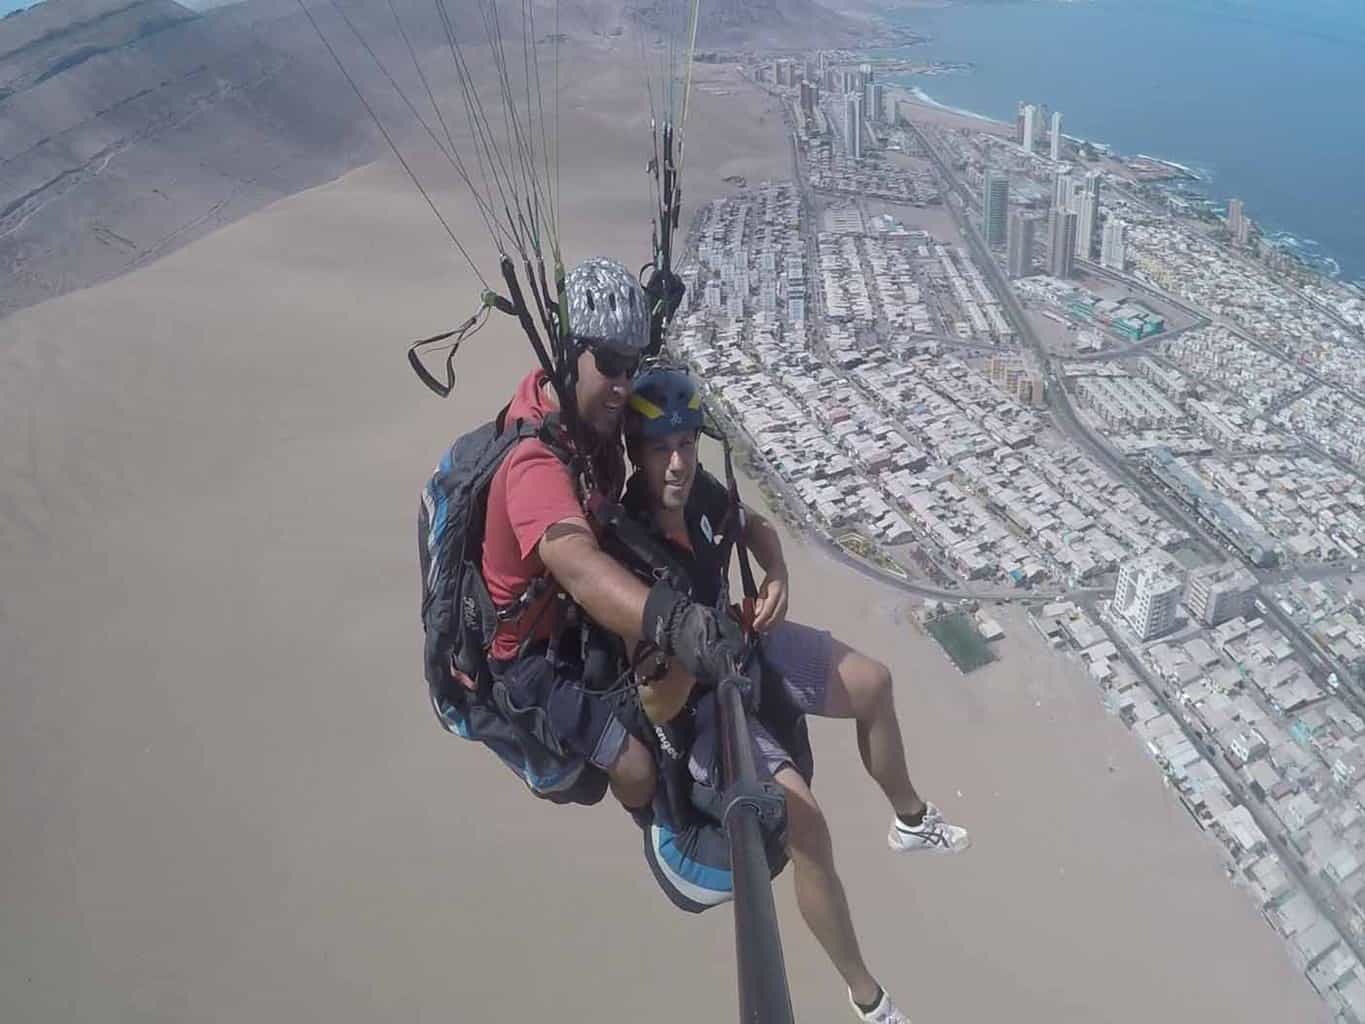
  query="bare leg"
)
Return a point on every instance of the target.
[
  {"x": 819, "y": 893},
  {"x": 632, "y": 777},
  {"x": 860, "y": 688}
]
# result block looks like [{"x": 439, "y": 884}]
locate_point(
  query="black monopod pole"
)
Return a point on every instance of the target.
[{"x": 763, "y": 994}]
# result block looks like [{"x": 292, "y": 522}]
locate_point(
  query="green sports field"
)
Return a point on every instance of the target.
[{"x": 957, "y": 634}]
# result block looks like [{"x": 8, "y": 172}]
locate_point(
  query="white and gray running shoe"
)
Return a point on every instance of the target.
[
  {"x": 885, "y": 1012},
  {"x": 934, "y": 834}
]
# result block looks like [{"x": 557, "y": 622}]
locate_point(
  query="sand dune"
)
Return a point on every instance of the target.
[
  {"x": 223, "y": 797},
  {"x": 130, "y": 129}
]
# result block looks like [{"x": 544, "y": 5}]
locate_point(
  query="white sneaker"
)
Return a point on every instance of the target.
[
  {"x": 885, "y": 1012},
  {"x": 934, "y": 834}
]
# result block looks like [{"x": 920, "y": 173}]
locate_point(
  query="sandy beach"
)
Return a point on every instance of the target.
[
  {"x": 928, "y": 112},
  {"x": 223, "y": 796}
]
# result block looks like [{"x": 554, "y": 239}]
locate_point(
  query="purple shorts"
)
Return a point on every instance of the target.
[{"x": 802, "y": 656}]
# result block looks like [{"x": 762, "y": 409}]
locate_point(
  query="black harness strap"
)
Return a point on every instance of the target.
[
  {"x": 460, "y": 333},
  {"x": 549, "y": 432},
  {"x": 663, "y": 288},
  {"x": 638, "y": 541},
  {"x": 522, "y": 312},
  {"x": 735, "y": 534}
]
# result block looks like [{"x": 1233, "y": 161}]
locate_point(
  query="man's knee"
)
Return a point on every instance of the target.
[
  {"x": 807, "y": 829},
  {"x": 870, "y": 689},
  {"x": 632, "y": 775}
]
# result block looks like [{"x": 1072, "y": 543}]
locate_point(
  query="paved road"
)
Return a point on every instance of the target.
[
  {"x": 1064, "y": 413},
  {"x": 1315, "y": 571},
  {"x": 1136, "y": 348},
  {"x": 1275, "y": 407},
  {"x": 954, "y": 594},
  {"x": 1151, "y": 291},
  {"x": 1349, "y": 691}
]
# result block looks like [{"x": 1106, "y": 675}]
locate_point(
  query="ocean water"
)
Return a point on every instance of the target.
[{"x": 1264, "y": 97}]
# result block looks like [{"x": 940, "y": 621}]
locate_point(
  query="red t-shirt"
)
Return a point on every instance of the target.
[{"x": 531, "y": 491}]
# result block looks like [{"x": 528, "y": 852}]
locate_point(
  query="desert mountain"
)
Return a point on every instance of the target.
[{"x": 128, "y": 129}]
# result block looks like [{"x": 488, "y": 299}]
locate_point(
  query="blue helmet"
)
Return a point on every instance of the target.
[{"x": 663, "y": 400}]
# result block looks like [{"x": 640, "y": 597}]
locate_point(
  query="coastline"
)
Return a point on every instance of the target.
[
  {"x": 1144, "y": 80},
  {"x": 1190, "y": 171},
  {"x": 922, "y": 97},
  {"x": 1284, "y": 239}
]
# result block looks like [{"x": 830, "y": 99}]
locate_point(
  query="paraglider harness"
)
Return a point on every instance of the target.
[
  {"x": 460, "y": 619},
  {"x": 458, "y": 615}
]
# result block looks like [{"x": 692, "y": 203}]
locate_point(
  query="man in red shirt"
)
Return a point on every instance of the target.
[{"x": 539, "y": 544}]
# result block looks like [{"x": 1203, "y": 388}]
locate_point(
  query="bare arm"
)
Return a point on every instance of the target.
[
  {"x": 763, "y": 541},
  {"x": 596, "y": 581},
  {"x": 771, "y": 607}
]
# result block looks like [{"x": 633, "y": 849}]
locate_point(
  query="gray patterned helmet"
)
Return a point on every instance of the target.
[{"x": 605, "y": 305}]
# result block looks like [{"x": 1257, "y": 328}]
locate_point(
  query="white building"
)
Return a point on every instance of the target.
[
  {"x": 1030, "y": 127},
  {"x": 853, "y": 125},
  {"x": 1113, "y": 249},
  {"x": 1218, "y": 593},
  {"x": 1061, "y": 191},
  {"x": 1238, "y": 227},
  {"x": 876, "y": 109},
  {"x": 1128, "y": 403},
  {"x": 1087, "y": 210},
  {"x": 1056, "y": 152},
  {"x": 1147, "y": 597},
  {"x": 1020, "y": 244},
  {"x": 767, "y": 297},
  {"x": 995, "y": 200},
  {"x": 1061, "y": 242}
]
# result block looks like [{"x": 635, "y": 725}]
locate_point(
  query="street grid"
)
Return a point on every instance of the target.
[{"x": 892, "y": 388}]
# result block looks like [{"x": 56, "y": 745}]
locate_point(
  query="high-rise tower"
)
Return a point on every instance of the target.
[
  {"x": 1061, "y": 242},
  {"x": 1019, "y": 260},
  {"x": 1087, "y": 211},
  {"x": 853, "y": 125},
  {"x": 995, "y": 196},
  {"x": 1113, "y": 251},
  {"x": 1030, "y": 127}
]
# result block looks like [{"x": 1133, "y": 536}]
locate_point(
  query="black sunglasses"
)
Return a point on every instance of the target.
[{"x": 614, "y": 364}]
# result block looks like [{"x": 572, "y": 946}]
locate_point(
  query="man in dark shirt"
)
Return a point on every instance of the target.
[{"x": 692, "y": 511}]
